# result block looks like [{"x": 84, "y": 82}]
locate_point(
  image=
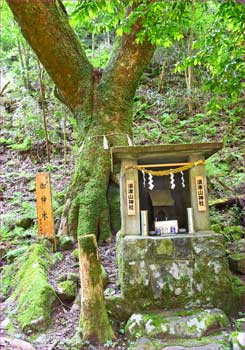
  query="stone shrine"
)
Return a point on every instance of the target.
[{"x": 168, "y": 258}]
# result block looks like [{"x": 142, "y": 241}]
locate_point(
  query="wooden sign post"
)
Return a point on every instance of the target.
[
  {"x": 201, "y": 200},
  {"x": 44, "y": 207},
  {"x": 131, "y": 197}
]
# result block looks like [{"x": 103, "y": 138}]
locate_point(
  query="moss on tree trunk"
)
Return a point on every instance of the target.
[{"x": 94, "y": 320}]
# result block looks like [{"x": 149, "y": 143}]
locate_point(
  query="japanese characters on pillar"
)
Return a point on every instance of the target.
[
  {"x": 44, "y": 206},
  {"x": 201, "y": 200},
  {"x": 131, "y": 197}
]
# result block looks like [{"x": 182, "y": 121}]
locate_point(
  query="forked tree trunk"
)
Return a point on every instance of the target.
[
  {"x": 102, "y": 103},
  {"x": 94, "y": 322}
]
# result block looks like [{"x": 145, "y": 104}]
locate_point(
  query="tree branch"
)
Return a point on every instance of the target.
[
  {"x": 45, "y": 25},
  {"x": 128, "y": 62}
]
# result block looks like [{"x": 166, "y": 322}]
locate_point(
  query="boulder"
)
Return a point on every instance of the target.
[
  {"x": 66, "y": 242},
  {"x": 25, "y": 222},
  {"x": 177, "y": 271},
  {"x": 27, "y": 278},
  {"x": 195, "y": 324},
  {"x": 67, "y": 290}
]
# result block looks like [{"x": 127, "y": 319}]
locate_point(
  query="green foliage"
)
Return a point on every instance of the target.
[
  {"x": 24, "y": 146},
  {"x": 240, "y": 324},
  {"x": 219, "y": 50},
  {"x": 98, "y": 16}
]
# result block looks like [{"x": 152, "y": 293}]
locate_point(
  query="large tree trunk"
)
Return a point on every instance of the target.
[{"x": 87, "y": 208}]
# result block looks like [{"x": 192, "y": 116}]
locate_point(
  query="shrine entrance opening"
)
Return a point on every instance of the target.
[{"x": 164, "y": 203}]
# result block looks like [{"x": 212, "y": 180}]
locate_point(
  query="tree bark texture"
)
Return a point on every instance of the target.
[
  {"x": 101, "y": 102},
  {"x": 94, "y": 321}
]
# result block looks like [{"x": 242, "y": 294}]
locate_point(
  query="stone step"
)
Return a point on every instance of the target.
[
  {"x": 192, "y": 324},
  {"x": 217, "y": 342}
]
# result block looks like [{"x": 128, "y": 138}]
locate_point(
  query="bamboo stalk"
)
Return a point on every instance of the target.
[
  {"x": 42, "y": 92},
  {"x": 65, "y": 140}
]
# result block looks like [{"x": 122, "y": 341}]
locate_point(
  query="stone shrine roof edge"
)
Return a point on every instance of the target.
[{"x": 135, "y": 152}]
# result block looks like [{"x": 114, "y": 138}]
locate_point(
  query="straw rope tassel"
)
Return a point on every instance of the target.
[{"x": 170, "y": 171}]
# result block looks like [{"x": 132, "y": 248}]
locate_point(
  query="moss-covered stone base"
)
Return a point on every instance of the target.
[
  {"x": 215, "y": 342},
  {"x": 177, "y": 271},
  {"x": 30, "y": 289},
  {"x": 194, "y": 324}
]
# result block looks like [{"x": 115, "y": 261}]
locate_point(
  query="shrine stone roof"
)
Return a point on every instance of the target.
[{"x": 170, "y": 152}]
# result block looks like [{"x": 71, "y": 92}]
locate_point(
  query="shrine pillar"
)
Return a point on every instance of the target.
[
  {"x": 129, "y": 198},
  {"x": 199, "y": 194}
]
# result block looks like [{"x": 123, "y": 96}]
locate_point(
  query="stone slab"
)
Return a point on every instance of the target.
[
  {"x": 176, "y": 271},
  {"x": 194, "y": 325}
]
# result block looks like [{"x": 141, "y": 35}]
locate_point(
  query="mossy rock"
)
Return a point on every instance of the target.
[
  {"x": 25, "y": 222},
  {"x": 67, "y": 290},
  {"x": 31, "y": 291},
  {"x": 118, "y": 308},
  {"x": 161, "y": 324},
  {"x": 213, "y": 342},
  {"x": 66, "y": 242},
  {"x": 72, "y": 276}
]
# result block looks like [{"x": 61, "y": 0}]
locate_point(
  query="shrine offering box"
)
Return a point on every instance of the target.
[{"x": 167, "y": 227}]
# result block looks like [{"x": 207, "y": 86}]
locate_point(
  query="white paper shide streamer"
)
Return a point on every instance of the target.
[
  {"x": 105, "y": 143},
  {"x": 172, "y": 183},
  {"x": 130, "y": 143},
  {"x": 182, "y": 179},
  {"x": 144, "y": 181},
  {"x": 150, "y": 182}
]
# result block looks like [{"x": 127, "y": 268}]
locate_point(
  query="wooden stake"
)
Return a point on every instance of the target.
[
  {"x": 44, "y": 207},
  {"x": 94, "y": 320}
]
